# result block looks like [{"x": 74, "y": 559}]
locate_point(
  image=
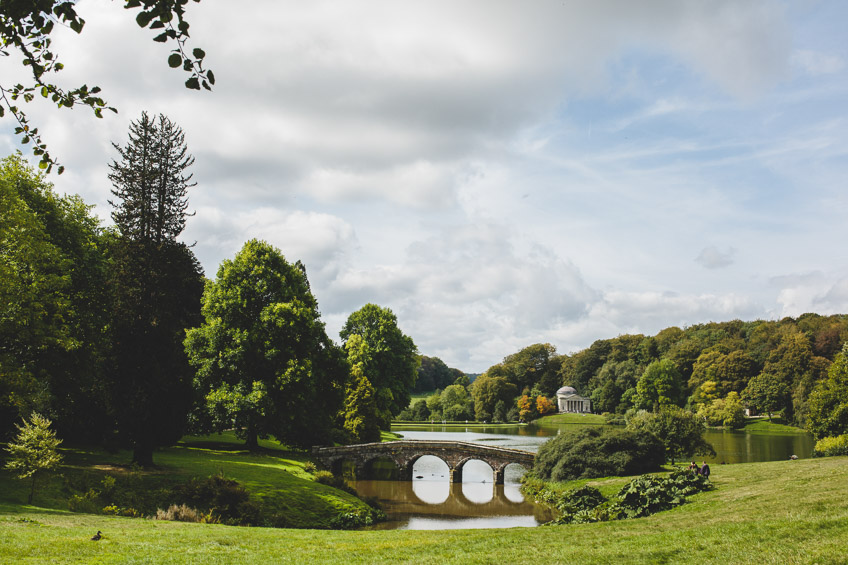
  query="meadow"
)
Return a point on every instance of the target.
[{"x": 776, "y": 512}]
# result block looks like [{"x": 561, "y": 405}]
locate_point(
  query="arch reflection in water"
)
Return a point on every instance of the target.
[{"x": 432, "y": 502}]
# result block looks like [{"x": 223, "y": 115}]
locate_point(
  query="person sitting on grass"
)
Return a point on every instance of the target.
[{"x": 705, "y": 470}]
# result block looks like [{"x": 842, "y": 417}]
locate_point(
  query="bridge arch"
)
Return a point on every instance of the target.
[{"x": 404, "y": 454}]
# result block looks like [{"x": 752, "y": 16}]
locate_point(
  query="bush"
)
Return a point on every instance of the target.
[
  {"x": 614, "y": 419},
  {"x": 831, "y": 446},
  {"x": 331, "y": 480},
  {"x": 181, "y": 513},
  {"x": 225, "y": 498},
  {"x": 310, "y": 467},
  {"x": 642, "y": 496},
  {"x": 648, "y": 494},
  {"x": 598, "y": 452}
]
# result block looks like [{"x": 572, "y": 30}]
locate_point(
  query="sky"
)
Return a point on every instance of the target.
[{"x": 497, "y": 173}]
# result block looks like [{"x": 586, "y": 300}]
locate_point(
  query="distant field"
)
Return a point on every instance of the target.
[{"x": 782, "y": 512}]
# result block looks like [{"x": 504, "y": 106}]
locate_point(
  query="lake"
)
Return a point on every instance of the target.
[{"x": 430, "y": 501}]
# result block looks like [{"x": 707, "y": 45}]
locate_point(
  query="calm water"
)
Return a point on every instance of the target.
[{"x": 430, "y": 501}]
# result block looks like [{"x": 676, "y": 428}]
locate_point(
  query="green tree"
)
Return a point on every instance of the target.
[
  {"x": 156, "y": 286},
  {"x": 727, "y": 412},
  {"x": 53, "y": 307},
  {"x": 34, "y": 451},
  {"x": 457, "y": 403},
  {"x": 681, "y": 432},
  {"x": 659, "y": 386},
  {"x": 151, "y": 180},
  {"x": 26, "y": 27},
  {"x": 434, "y": 405},
  {"x": 767, "y": 393},
  {"x": 596, "y": 452},
  {"x": 389, "y": 358},
  {"x": 828, "y": 416},
  {"x": 432, "y": 374},
  {"x": 487, "y": 391},
  {"x": 264, "y": 364},
  {"x": 534, "y": 365},
  {"x": 155, "y": 295},
  {"x": 420, "y": 411},
  {"x": 610, "y": 383},
  {"x": 361, "y": 416}
]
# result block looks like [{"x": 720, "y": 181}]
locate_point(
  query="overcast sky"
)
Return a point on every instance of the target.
[{"x": 498, "y": 173}]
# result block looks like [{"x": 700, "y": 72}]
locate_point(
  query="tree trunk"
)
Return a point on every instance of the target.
[
  {"x": 143, "y": 455},
  {"x": 252, "y": 441},
  {"x": 31, "y": 489}
]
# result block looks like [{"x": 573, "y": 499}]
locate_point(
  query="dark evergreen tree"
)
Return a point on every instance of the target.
[
  {"x": 151, "y": 182},
  {"x": 156, "y": 286}
]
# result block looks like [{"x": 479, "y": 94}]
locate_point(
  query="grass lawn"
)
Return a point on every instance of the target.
[
  {"x": 555, "y": 419},
  {"x": 781, "y": 512},
  {"x": 275, "y": 478},
  {"x": 775, "y": 426},
  {"x": 463, "y": 425}
]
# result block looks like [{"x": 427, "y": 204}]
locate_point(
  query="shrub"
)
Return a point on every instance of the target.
[
  {"x": 648, "y": 494},
  {"x": 331, "y": 480},
  {"x": 310, "y": 467},
  {"x": 831, "y": 446},
  {"x": 681, "y": 432},
  {"x": 598, "y": 452},
  {"x": 181, "y": 513},
  {"x": 614, "y": 419},
  {"x": 225, "y": 498}
]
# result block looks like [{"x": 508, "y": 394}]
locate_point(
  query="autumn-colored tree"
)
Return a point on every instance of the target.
[
  {"x": 526, "y": 408},
  {"x": 544, "y": 405}
]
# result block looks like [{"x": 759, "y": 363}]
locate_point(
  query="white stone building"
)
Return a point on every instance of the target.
[{"x": 569, "y": 401}]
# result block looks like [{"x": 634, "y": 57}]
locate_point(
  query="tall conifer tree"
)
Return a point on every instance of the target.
[{"x": 157, "y": 283}]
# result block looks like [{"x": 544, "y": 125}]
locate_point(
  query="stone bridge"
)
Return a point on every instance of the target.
[{"x": 405, "y": 453}]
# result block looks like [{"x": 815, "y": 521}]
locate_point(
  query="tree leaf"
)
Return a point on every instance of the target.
[
  {"x": 198, "y": 53},
  {"x": 143, "y": 19},
  {"x": 174, "y": 60}
]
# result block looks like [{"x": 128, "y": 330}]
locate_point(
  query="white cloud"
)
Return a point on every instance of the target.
[
  {"x": 711, "y": 257},
  {"x": 499, "y": 173},
  {"x": 817, "y": 63}
]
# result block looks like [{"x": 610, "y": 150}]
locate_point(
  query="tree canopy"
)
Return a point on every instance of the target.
[
  {"x": 156, "y": 285},
  {"x": 52, "y": 304},
  {"x": 389, "y": 358},
  {"x": 264, "y": 364},
  {"x": 829, "y": 401}
]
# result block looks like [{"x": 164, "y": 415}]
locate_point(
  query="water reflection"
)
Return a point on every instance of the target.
[
  {"x": 730, "y": 446},
  {"x": 432, "y": 502}
]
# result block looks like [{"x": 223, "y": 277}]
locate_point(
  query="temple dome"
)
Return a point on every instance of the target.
[{"x": 566, "y": 390}]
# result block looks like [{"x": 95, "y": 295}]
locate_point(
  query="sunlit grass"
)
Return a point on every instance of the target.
[
  {"x": 274, "y": 476},
  {"x": 777, "y": 512},
  {"x": 556, "y": 419},
  {"x": 777, "y": 426}
]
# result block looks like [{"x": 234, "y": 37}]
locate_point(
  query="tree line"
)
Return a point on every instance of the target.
[
  {"x": 792, "y": 367},
  {"x": 118, "y": 337}
]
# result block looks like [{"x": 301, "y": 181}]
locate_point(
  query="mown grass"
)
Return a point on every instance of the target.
[
  {"x": 471, "y": 425},
  {"x": 275, "y": 478},
  {"x": 776, "y": 426},
  {"x": 781, "y": 512},
  {"x": 556, "y": 419}
]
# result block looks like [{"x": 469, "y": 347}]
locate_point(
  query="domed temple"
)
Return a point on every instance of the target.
[{"x": 569, "y": 401}]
